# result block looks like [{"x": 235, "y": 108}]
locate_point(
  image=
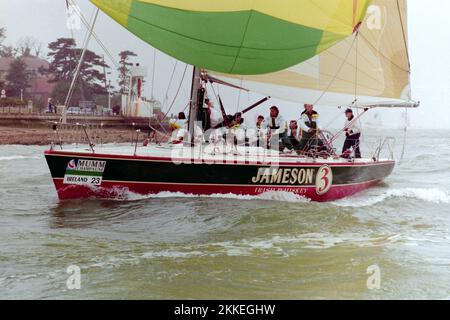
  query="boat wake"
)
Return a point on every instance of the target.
[
  {"x": 431, "y": 195},
  {"x": 268, "y": 196},
  {"x": 367, "y": 199},
  {"x": 12, "y": 158},
  {"x": 280, "y": 246}
]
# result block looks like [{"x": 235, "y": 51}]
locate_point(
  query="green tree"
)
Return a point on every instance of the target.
[
  {"x": 61, "y": 89},
  {"x": 124, "y": 69},
  {"x": 5, "y": 51},
  {"x": 2, "y": 36},
  {"x": 64, "y": 56},
  {"x": 92, "y": 72},
  {"x": 63, "y": 59},
  {"x": 18, "y": 78}
]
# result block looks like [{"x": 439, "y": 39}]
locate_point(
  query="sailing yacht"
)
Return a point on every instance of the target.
[{"x": 351, "y": 53}]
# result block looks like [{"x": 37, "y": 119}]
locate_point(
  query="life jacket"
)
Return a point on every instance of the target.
[
  {"x": 235, "y": 125},
  {"x": 311, "y": 121}
]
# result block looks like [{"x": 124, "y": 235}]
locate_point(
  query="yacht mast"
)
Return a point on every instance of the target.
[{"x": 195, "y": 103}]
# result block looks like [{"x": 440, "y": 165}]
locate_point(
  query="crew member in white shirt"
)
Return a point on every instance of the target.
[
  {"x": 353, "y": 134},
  {"x": 277, "y": 127},
  {"x": 178, "y": 127}
]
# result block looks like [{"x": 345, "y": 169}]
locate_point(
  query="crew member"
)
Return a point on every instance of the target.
[
  {"x": 179, "y": 122},
  {"x": 179, "y": 128},
  {"x": 237, "y": 129},
  {"x": 211, "y": 118},
  {"x": 309, "y": 125},
  {"x": 215, "y": 116},
  {"x": 291, "y": 140},
  {"x": 237, "y": 122},
  {"x": 277, "y": 127},
  {"x": 353, "y": 133},
  {"x": 205, "y": 115},
  {"x": 257, "y": 135},
  {"x": 260, "y": 122}
]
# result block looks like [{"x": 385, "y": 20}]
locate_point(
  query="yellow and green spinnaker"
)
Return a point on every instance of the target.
[{"x": 239, "y": 36}]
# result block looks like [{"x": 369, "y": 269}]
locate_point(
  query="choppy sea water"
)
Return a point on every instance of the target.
[{"x": 276, "y": 246}]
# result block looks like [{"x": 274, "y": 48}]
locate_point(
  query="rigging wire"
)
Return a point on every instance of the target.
[
  {"x": 337, "y": 73},
  {"x": 355, "y": 102},
  {"x": 402, "y": 156},
  {"x": 239, "y": 96},
  {"x": 166, "y": 96},
  {"x": 339, "y": 115},
  {"x": 356, "y": 67},
  {"x": 187, "y": 106},
  {"x": 344, "y": 61},
  {"x": 96, "y": 37},
  {"x": 214, "y": 91},
  {"x": 68, "y": 15},
  {"x": 80, "y": 62},
  {"x": 153, "y": 73},
  {"x": 78, "y": 55},
  {"x": 175, "y": 98},
  {"x": 405, "y": 41}
]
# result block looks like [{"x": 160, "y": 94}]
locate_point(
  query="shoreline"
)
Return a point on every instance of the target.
[
  {"x": 36, "y": 129},
  {"x": 42, "y": 136}
]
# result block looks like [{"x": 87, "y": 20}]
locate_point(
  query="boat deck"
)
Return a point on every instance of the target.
[{"x": 205, "y": 153}]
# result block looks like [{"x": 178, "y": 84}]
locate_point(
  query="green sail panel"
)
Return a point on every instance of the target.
[{"x": 242, "y": 42}]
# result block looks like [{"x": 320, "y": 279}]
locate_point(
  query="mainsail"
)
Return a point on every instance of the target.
[
  {"x": 244, "y": 37},
  {"x": 370, "y": 68}
]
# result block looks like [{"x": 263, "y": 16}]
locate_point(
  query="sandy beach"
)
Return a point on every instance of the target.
[{"x": 45, "y": 136}]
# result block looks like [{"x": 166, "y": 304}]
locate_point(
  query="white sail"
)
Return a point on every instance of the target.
[{"x": 371, "y": 67}]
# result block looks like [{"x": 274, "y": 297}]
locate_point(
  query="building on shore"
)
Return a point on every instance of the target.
[
  {"x": 135, "y": 105},
  {"x": 40, "y": 86}
]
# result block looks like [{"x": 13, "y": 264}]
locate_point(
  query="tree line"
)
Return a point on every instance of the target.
[{"x": 63, "y": 57}]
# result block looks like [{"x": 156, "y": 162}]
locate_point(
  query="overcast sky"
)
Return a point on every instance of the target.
[{"x": 429, "y": 37}]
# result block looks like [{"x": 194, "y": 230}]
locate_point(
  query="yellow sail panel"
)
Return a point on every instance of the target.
[
  {"x": 335, "y": 16},
  {"x": 372, "y": 67},
  {"x": 117, "y": 9}
]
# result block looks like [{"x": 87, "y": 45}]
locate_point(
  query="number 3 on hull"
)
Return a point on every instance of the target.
[{"x": 324, "y": 180}]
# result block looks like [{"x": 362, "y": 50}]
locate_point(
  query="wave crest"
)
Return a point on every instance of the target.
[
  {"x": 12, "y": 158},
  {"x": 267, "y": 196},
  {"x": 431, "y": 195}
]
